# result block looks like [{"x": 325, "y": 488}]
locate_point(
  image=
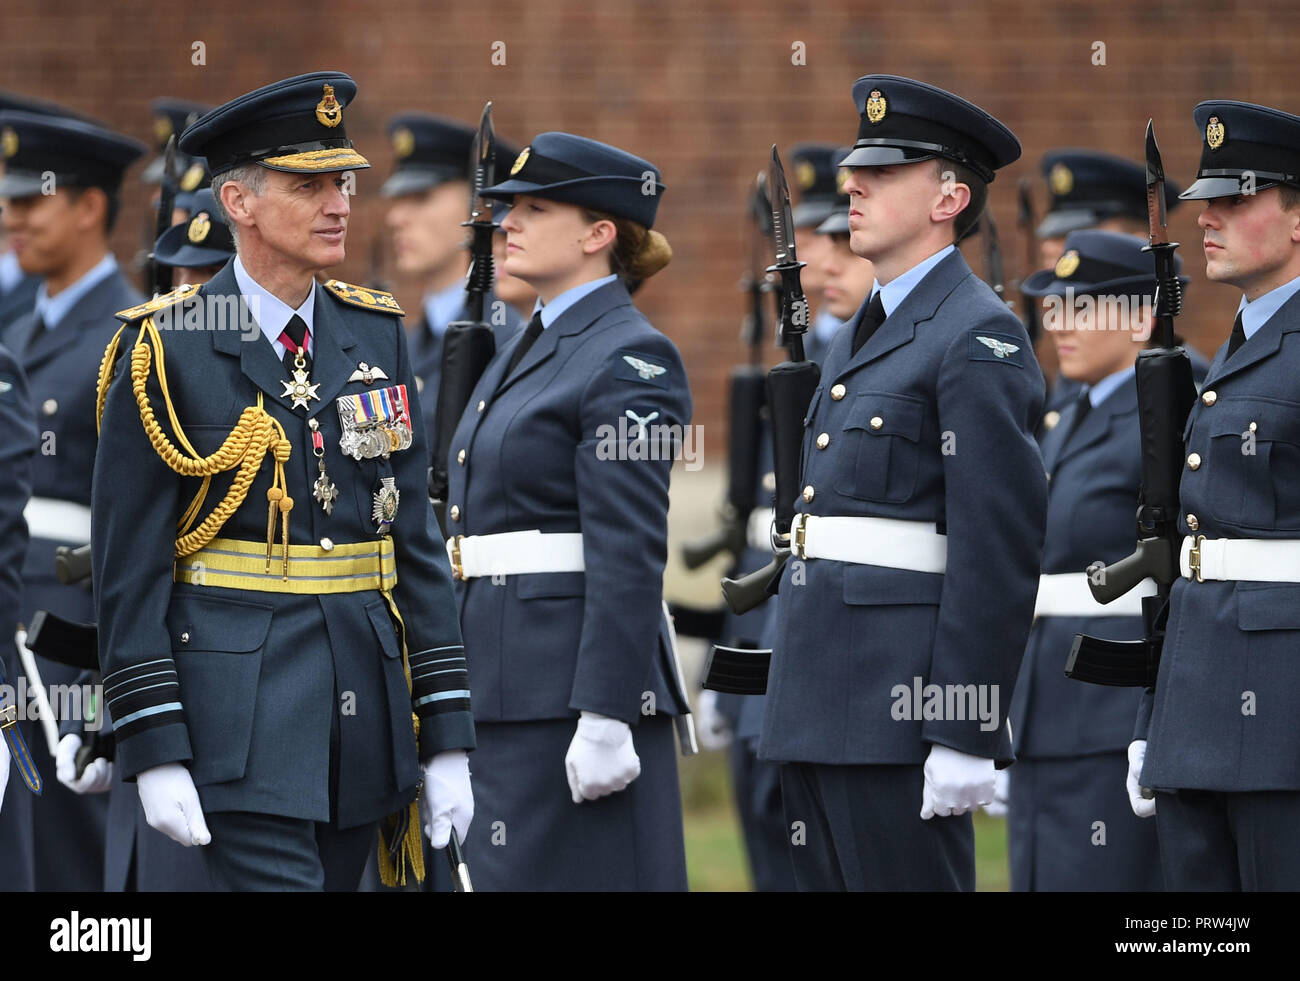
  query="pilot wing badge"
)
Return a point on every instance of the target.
[{"x": 644, "y": 368}]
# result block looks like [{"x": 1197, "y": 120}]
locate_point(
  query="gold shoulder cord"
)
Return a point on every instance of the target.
[{"x": 256, "y": 434}]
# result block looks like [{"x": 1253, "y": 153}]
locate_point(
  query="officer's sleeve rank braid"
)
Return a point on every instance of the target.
[{"x": 440, "y": 681}]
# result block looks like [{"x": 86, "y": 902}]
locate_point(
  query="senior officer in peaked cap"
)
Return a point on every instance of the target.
[
  {"x": 266, "y": 640},
  {"x": 1217, "y": 739},
  {"x": 921, "y": 524},
  {"x": 1069, "y": 738},
  {"x": 62, "y": 178},
  {"x": 429, "y": 189},
  {"x": 559, "y": 501}
]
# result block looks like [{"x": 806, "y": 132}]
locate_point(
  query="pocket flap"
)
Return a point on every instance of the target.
[
  {"x": 1268, "y": 606},
  {"x": 877, "y": 585},
  {"x": 537, "y": 585},
  {"x": 210, "y": 623},
  {"x": 385, "y": 629},
  {"x": 887, "y": 415}
]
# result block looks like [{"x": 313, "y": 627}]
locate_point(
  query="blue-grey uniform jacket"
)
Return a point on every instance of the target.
[
  {"x": 931, "y": 421},
  {"x": 245, "y": 685},
  {"x": 551, "y": 448}
]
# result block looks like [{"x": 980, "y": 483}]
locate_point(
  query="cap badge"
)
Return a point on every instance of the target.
[
  {"x": 1061, "y": 180},
  {"x": 403, "y": 142},
  {"x": 520, "y": 160},
  {"x": 1214, "y": 133},
  {"x": 9, "y": 142},
  {"x": 806, "y": 173},
  {"x": 199, "y": 227},
  {"x": 1067, "y": 264},
  {"x": 876, "y": 107},
  {"x": 190, "y": 179},
  {"x": 162, "y": 128},
  {"x": 328, "y": 111},
  {"x": 841, "y": 175}
]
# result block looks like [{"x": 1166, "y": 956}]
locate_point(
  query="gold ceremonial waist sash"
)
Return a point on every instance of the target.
[{"x": 343, "y": 568}]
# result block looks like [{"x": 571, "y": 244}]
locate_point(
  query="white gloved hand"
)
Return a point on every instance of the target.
[
  {"x": 712, "y": 728},
  {"x": 446, "y": 799},
  {"x": 95, "y": 779},
  {"x": 1001, "y": 794},
  {"x": 955, "y": 782},
  {"x": 4, "y": 768},
  {"x": 601, "y": 758},
  {"x": 171, "y": 804},
  {"x": 1137, "y": 752}
]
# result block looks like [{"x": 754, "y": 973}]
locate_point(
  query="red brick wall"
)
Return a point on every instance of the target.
[{"x": 701, "y": 87}]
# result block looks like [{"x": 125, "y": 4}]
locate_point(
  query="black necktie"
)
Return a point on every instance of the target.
[
  {"x": 1237, "y": 338},
  {"x": 296, "y": 331},
  {"x": 871, "y": 320},
  {"x": 1082, "y": 406},
  {"x": 38, "y": 331},
  {"x": 531, "y": 333}
]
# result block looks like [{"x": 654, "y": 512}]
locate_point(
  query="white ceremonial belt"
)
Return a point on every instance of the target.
[
  {"x": 514, "y": 553},
  {"x": 60, "y": 521},
  {"x": 1066, "y": 594},
  {"x": 759, "y": 533},
  {"x": 1240, "y": 559},
  {"x": 889, "y": 542}
]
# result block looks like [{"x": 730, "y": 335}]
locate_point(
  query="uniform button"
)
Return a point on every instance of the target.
[
  {"x": 769, "y": 482},
  {"x": 823, "y": 441},
  {"x": 185, "y": 637},
  {"x": 837, "y": 392},
  {"x": 419, "y": 384},
  {"x": 1252, "y": 427},
  {"x": 454, "y": 512},
  {"x": 1194, "y": 461},
  {"x": 49, "y": 407},
  {"x": 327, "y": 544},
  {"x": 482, "y": 404},
  {"x": 877, "y": 422},
  {"x": 1209, "y": 398},
  {"x": 808, "y": 493},
  {"x": 1051, "y": 419},
  {"x": 1192, "y": 522},
  {"x": 460, "y": 458}
]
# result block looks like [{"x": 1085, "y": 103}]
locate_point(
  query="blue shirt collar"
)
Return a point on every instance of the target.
[
  {"x": 1256, "y": 313},
  {"x": 53, "y": 309},
  {"x": 551, "y": 311},
  {"x": 1105, "y": 388},
  {"x": 893, "y": 293},
  {"x": 444, "y": 306},
  {"x": 272, "y": 313},
  {"x": 11, "y": 274}
]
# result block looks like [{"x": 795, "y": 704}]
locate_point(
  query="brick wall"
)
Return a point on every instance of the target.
[{"x": 701, "y": 87}]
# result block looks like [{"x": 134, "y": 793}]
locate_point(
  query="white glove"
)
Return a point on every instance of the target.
[
  {"x": 1137, "y": 752},
  {"x": 446, "y": 799},
  {"x": 601, "y": 759},
  {"x": 712, "y": 727},
  {"x": 1001, "y": 794},
  {"x": 171, "y": 804},
  {"x": 4, "y": 768},
  {"x": 95, "y": 779},
  {"x": 955, "y": 782}
]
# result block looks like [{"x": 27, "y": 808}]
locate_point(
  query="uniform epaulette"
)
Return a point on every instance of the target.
[
  {"x": 368, "y": 299},
  {"x": 156, "y": 304}
]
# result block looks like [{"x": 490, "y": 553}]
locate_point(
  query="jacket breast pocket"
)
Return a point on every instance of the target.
[
  {"x": 882, "y": 452},
  {"x": 1253, "y": 447},
  {"x": 217, "y": 645}
]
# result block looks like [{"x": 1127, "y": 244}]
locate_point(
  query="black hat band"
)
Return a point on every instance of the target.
[
  {"x": 538, "y": 169},
  {"x": 915, "y": 132},
  {"x": 1091, "y": 271}
]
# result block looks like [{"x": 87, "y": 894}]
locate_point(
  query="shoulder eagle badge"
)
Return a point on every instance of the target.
[
  {"x": 644, "y": 368},
  {"x": 1000, "y": 348}
]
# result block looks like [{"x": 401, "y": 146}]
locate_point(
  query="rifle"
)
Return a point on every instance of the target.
[
  {"x": 993, "y": 258},
  {"x": 1166, "y": 393},
  {"x": 746, "y": 399},
  {"x": 1025, "y": 222},
  {"x": 160, "y": 274},
  {"x": 790, "y": 386},
  {"x": 468, "y": 345}
]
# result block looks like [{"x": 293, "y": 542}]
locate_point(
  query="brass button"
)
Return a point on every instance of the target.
[
  {"x": 185, "y": 637},
  {"x": 1209, "y": 398},
  {"x": 460, "y": 457},
  {"x": 327, "y": 544},
  {"x": 49, "y": 407},
  {"x": 454, "y": 512},
  {"x": 877, "y": 422},
  {"x": 769, "y": 482},
  {"x": 1252, "y": 427},
  {"x": 823, "y": 441},
  {"x": 1051, "y": 419},
  {"x": 1194, "y": 461},
  {"x": 482, "y": 404},
  {"x": 837, "y": 392},
  {"x": 808, "y": 493},
  {"x": 1192, "y": 522}
]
